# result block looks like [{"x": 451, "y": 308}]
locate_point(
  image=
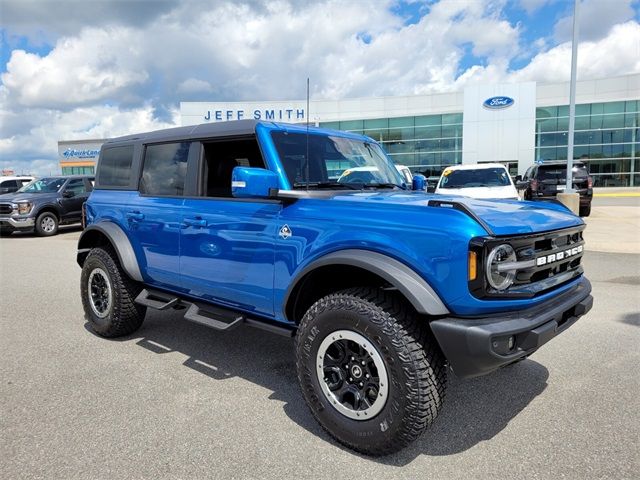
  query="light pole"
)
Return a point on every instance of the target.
[{"x": 570, "y": 198}]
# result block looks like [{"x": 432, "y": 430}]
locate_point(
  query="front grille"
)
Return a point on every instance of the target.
[
  {"x": 5, "y": 209},
  {"x": 547, "y": 261}
]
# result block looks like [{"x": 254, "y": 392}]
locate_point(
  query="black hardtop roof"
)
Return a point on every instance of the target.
[
  {"x": 203, "y": 130},
  {"x": 218, "y": 129}
]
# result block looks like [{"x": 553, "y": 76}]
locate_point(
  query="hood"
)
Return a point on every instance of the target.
[
  {"x": 508, "y": 191},
  {"x": 16, "y": 197},
  {"x": 499, "y": 217}
]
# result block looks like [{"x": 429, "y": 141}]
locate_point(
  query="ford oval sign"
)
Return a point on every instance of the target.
[{"x": 496, "y": 103}]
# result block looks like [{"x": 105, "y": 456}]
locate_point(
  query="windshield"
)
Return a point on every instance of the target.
[
  {"x": 484, "y": 177},
  {"x": 44, "y": 185},
  {"x": 334, "y": 161}
]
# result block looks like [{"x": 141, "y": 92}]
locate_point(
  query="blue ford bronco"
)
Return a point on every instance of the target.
[{"x": 384, "y": 287}]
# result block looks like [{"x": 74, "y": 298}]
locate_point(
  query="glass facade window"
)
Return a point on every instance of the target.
[
  {"x": 426, "y": 143},
  {"x": 78, "y": 170},
  {"x": 607, "y": 137}
]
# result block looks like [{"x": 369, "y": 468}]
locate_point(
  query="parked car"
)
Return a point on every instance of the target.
[
  {"x": 385, "y": 288},
  {"x": 482, "y": 180},
  {"x": 44, "y": 204},
  {"x": 365, "y": 175},
  {"x": 9, "y": 184},
  {"x": 544, "y": 182}
]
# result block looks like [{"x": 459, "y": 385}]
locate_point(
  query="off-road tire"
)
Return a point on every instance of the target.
[
  {"x": 585, "y": 211},
  {"x": 415, "y": 367},
  {"x": 51, "y": 219},
  {"x": 123, "y": 315}
]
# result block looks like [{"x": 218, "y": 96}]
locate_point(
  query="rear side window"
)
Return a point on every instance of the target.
[
  {"x": 164, "y": 169},
  {"x": 559, "y": 172},
  {"x": 9, "y": 184},
  {"x": 115, "y": 166}
]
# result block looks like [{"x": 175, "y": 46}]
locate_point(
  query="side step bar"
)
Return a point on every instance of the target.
[
  {"x": 215, "y": 317},
  {"x": 156, "y": 300}
]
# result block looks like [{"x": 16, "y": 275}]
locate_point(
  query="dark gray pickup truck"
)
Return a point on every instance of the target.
[{"x": 44, "y": 204}]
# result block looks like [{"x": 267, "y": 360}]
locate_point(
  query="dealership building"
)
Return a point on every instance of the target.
[{"x": 515, "y": 124}]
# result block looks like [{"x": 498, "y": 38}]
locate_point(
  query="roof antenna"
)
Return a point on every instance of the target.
[{"x": 307, "y": 154}]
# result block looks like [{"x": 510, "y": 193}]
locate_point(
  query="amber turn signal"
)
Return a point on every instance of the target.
[{"x": 473, "y": 265}]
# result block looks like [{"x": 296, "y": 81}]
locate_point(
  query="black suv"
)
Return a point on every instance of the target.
[
  {"x": 546, "y": 180},
  {"x": 44, "y": 204}
]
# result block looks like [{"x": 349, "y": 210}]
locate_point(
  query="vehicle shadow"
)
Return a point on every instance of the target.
[
  {"x": 631, "y": 319},
  {"x": 475, "y": 410}
]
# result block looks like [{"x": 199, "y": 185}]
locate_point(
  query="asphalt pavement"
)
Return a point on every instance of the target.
[{"x": 178, "y": 400}]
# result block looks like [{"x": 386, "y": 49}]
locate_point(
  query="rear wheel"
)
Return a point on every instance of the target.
[
  {"x": 369, "y": 370},
  {"x": 585, "y": 210},
  {"x": 108, "y": 295},
  {"x": 46, "y": 224}
]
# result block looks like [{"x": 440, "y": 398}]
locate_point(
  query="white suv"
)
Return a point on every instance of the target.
[
  {"x": 11, "y": 184},
  {"x": 484, "y": 180}
]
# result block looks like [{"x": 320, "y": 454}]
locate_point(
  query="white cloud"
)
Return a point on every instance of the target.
[
  {"x": 194, "y": 85},
  {"x": 532, "y": 6},
  {"x": 34, "y": 148},
  {"x": 616, "y": 54},
  {"x": 595, "y": 19},
  {"x": 97, "y": 65},
  {"x": 124, "y": 77}
]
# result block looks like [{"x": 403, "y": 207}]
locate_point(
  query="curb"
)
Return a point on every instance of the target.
[{"x": 629, "y": 194}]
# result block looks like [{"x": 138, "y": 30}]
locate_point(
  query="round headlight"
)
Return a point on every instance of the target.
[{"x": 501, "y": 278}]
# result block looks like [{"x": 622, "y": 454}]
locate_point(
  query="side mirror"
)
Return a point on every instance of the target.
[
  {"x": 419, "y": 182},
  {"x": 247, "y": 182},
  {"x": 518, "y": 178},
  {"x": 68, "y": 194}
]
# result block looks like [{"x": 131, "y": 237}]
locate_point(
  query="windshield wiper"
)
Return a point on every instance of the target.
[
  {"x": 349, "y": 186},
  {"x": 384, "y": 185}
]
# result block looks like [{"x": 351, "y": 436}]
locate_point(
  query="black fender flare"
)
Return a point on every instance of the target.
[
  {"x": 419, "y": 293},
  {"x": 119, "y": 241}
]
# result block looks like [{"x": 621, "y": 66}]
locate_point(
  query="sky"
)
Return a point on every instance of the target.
[{"x": 72, "y": 70}]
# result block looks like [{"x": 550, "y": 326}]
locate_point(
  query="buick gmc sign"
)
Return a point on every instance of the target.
[{"x": 497, "y": 103}]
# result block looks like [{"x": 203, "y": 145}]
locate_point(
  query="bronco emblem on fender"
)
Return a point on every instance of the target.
[{"x": 285, "y": 232}]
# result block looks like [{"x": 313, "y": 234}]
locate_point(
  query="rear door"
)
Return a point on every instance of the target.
[{"x": 153, "y": 214}]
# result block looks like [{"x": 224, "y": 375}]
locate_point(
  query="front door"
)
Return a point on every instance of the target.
[
  {"x": 227, "y": 252},
  {"x": 227, "y": 245}
]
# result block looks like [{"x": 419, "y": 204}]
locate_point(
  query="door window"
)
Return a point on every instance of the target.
[
  {"x": 220, "y": 158},
  {"x": 164, "y": 169},
  {"x": 76, "y": 186},
  {"x": 9, "y": 184}
]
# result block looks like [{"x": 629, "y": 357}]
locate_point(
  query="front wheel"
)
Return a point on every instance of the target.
[
  {"x": 369, "y": 370},
  {"x": 108, "y": 295},
  {"x": 46, "y": 224}
]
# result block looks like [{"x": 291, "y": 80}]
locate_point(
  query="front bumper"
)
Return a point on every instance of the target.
[
  {"x": 17, "y": 222},
  {"x": 477, "y": 346}
]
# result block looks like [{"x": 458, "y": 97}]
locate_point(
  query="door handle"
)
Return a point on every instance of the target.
[
  {"x": 135, "y": 215},
  {"x": 195, "y": 222}
]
